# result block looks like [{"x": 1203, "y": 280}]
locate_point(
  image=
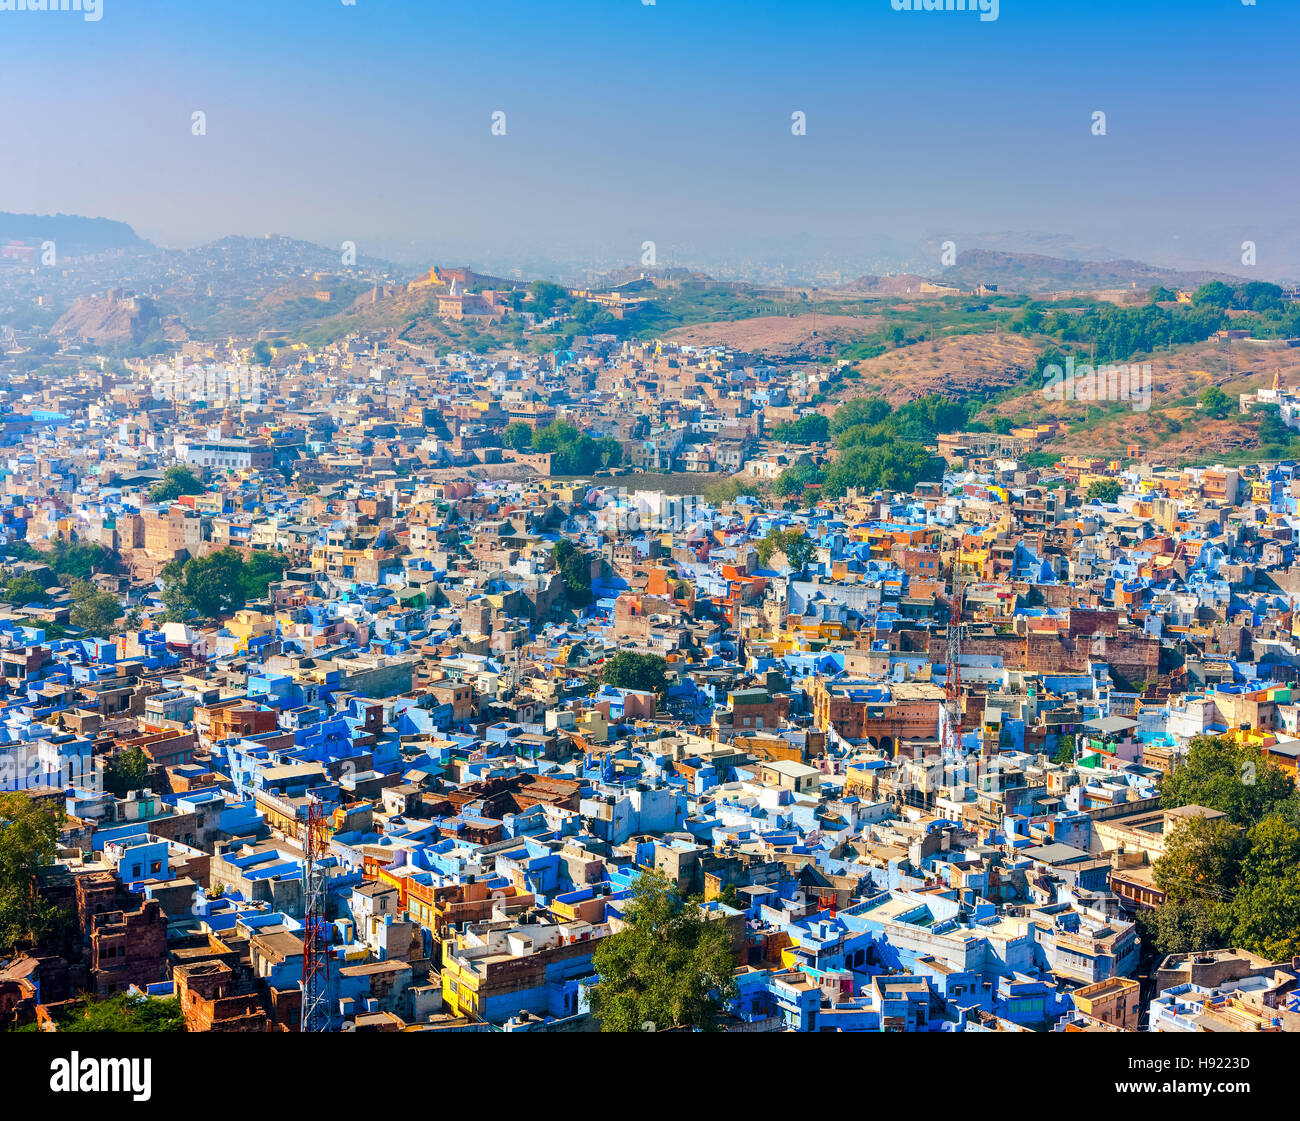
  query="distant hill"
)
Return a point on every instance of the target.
[
  {"x": 271, "y": 253},
  {"x": 116, "y": 318},
  {"x": 1032, "y": 272},
  {"x": 73, "y": 235}
]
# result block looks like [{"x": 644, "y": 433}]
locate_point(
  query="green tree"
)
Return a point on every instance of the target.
[
  {"x": 262, "y": 353},
  {"x": 1182, "y": 926},
  {"x": 1234, "y": 879},
  {"x": 867, "y": 435},
  {"x": 644, "y": 672},
  {"x": 259, "y": 571},
  {"x": 545, "y": 297},
  {"x": 1237, "y": 779},
  {"x": 1266, "y": 909},
  {"x": 81, "y": 559},
  {"x": 1202, "y": 859},
  {"x": 609, "y": 452},
  {"x": 573, "y": 452},
  {"x": 798, "y": 547},
  {"x": 926, "y": 417},
  {"x": 22, "y": 590},
  {"x": 1104, "y": 490},
  {"x": 1065, "y": 751},
  {"x": 788, "y": 484},
  {"x": 1215, "y": 294},
  {"x": 1259, "y": 296},
  {"x": 670, "y": 965},
  {"x": 121, "y": 1012},
  {"x": 206, "y": 586},
  {"x": 811, "y": 429},
  {"x": 721, "y": 491},
  {"x": 517, "y": 435},
  {"x": 125, "y": 771},
  {"x": 575, "y": 567},
  {"x": 1266, "y": 916},
  {"x": 93, "y": 610},
  {"x": 1225, "y": 884},
  {"x": 1274, "y": 848},
  {"x": 793, "y": 481},
  {"x": 896, "y": 466},
  {"x": 859, "y": 411},
  {"x": 29, "y": 839},
  {"x": 77, "y": 560},
  {"x": 1272, "y": 428},
  {"x": 176, "y": 481},
  {"x": 1215, "y": 402}
]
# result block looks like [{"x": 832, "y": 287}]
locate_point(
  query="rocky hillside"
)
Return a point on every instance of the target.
[
  {"x": 116, "y": 318},
  {"x": 1032, "y": 272}
]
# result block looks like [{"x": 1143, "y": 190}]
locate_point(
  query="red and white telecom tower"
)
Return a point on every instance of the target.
[
  {"x": 315, "y": 940},
  {"x": 952, "y": 687}
]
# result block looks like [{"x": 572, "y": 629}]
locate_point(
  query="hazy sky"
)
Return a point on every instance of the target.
[{"x": 670, "y": 122}]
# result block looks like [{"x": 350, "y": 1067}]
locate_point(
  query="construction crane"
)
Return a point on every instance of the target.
[{"x": 315, "y": 934}]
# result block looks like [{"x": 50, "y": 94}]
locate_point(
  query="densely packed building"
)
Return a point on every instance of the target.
[{"x": 917, "y": 774}]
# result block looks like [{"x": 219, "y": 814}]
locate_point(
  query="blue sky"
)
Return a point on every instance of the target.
[{"x": 669, "y": 122}]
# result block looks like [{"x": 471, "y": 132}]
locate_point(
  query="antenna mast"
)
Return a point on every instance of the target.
[
  {"x": 315, "y": 940},
  {"x": 952, "y": 686}
]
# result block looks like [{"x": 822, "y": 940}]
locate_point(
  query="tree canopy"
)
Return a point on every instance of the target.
[
  {"x": 1237, "y": 779},
  {"x": 125, "y": 771},
  {"x": 872, "y": 420},
  {"x": 1215, "y": 402},
  {"x": 630, "y": 670},
  {"x": 177, "y": 480},
  {"x": 575, "y": 567},
  {"x": 1231, "y": 880},
  {"x": 517, "y": 435},
  {"x": 1104, "y": 490},
  {"x": 721, "y": 491},
  {"x": 1065, "y": 750},
  {"x": 29, "y": 838},
  {"x": 1117, "y": 334},
  {"x": 798, "y": 547},
  {"x": 670, "y": 965},
  {"x": 94, "y": 610},
  {"x": 121, "y": 1012},
  {"x": 891, "y": 466},
  {"x": 574, "y": 452},
  {"x": 78, "y": 560},
  {"x": 793, "y": 481},
  {"x": 21, "y": 590},
  {"x": 811, "y": 429},
  {"x": 218, "y": 584}
]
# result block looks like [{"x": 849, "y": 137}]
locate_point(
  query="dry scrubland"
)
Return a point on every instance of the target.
[{"x": 779, "y": 336}]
